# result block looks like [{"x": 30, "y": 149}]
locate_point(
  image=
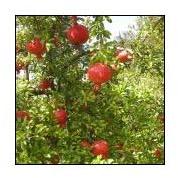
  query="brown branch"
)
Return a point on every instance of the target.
[{"x": 27, "y": 73}]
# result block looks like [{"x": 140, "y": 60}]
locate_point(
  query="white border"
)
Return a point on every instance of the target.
[{"x": 7, "y": 102}]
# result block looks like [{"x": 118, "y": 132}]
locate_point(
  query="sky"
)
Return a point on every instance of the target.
[{"x": 120, "y": 24}]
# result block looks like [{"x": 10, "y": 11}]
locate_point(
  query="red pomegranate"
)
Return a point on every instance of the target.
[
  {"x": 123, "y": 56},
  {"x": 45, "y": 84},
  {"x": 100, "y": 147},
  {"x": 99, "y": 73},
  {"x": 61, "y": 117},
  {"x": 85, "y": 144},
  {"x": 22, "y": 115},
  {"x": 77, "y": 34},
  {"x": 36, "y": 47}
]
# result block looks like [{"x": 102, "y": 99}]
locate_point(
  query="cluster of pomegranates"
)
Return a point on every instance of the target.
[
  {"x": 100, "y": 73},
  {"x": 77, "y": 35},
  {"x": 98, "y": 147},
  {"x": 60, "y": 115}
]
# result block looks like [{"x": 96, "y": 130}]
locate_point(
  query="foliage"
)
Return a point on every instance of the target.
[{"x": 125, "y": 111}]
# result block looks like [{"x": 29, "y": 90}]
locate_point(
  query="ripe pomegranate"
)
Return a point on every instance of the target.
[
  {"x": 36, "y": 47},
  {"x": 85, "y": 144},
  {"x": 99, "y": 73},
  {"x": 61, "y": 117},
  {"x": 77, "y": 34},
  {"x": 45, "y": 84},
  {"x": 123, "y": 56},
  {"x": 22, "y": 115},
  {"x": 157, "y": 153},
  {"x": 100, "y": 147}
]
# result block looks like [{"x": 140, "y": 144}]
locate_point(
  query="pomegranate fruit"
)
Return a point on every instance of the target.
[
  {"x": 123, "y": 56},
  {"x": 22, "y": 115},
  {"x": 99, "y": 73},
  {"x": 100, "y": 147},
  {"x": 36, "y": 47},
  {"x": 77, "y": 34},
  {"x": 45, "y": 84},
  {"x": 61, "y": 117}
]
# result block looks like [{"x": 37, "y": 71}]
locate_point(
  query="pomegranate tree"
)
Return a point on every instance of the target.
[{"x": 111, "y": 115}]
